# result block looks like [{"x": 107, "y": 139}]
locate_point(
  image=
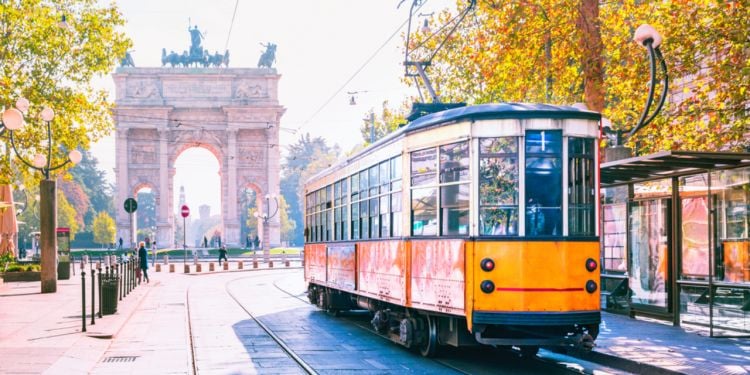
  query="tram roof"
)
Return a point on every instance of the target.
[
  {"x": 479, "y": 111},
  {"x": 669, "y": 164},
  {"x": 503, "y": 111}
]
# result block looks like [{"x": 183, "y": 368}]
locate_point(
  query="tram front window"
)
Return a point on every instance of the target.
[{"x": 543, "y": 183}]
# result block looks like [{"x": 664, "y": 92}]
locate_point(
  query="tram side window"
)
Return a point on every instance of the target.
[
  {"x": 424, "y": 197},
  {"x": 498, "y": 186},
  {"x": 344, "y": 210},
  {"x": 543, "y": 183},
  {"x": 308, "y": 203},
  {"x": 581, "y": 188},
  {"x": 395, "y": 222},
  {"x": 355, "y": 206},
  {"x": 454, "y": 189}
]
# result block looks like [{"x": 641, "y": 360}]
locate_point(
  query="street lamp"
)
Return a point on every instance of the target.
[
  {"x": 651, "y": 40},
  {"x": 266, "y": 217},
  {"x": 13, "y": 120}
]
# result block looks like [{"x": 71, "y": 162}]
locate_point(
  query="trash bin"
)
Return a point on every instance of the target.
[{"x": 109, "y": 294}]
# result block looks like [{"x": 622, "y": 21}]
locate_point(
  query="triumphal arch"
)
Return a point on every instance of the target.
[{"x": 232, "y": 112}]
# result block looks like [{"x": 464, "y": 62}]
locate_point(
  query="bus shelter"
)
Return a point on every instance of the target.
[{"x": 675, "y": 241}]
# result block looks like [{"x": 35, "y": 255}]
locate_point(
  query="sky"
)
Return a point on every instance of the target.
[{"x": 321, "y": 45}]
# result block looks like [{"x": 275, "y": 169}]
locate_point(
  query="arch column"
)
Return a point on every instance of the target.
[
  {"x": 123, "y": 188},
  {"x": 232, "y": 222},
  {"x": 164, "y": 232}
]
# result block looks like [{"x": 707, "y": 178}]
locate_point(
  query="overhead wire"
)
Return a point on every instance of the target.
[
  {"x": 236, "y": 5},
  {"x": 367, "y": 61}
]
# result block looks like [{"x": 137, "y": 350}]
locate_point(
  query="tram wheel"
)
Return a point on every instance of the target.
[{"x": 429, "y": 345}]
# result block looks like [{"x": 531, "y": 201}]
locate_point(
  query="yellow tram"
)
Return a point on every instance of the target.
[{"x": 473, "y": 225}]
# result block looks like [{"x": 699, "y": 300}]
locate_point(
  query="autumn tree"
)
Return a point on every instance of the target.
[
  {"x": 66, "y": 216},
  {"x": 104, "y": 228},
  {"x": 300, "y": 163},
  {"x": 548, "y": 51},
  {"x": 386, "y": 122},
  {"x": 52, "y": 63}
]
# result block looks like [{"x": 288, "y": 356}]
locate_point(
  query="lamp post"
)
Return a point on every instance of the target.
[
  {"x": 13, "y": 120},
  {"x": 651, "y": 40},
  {"x": 266, "y": 217}
]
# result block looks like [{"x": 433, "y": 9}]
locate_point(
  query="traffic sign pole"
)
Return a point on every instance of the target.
[
  {"x": 130, "y": 206},
  {"x": 185, "y": 212}
]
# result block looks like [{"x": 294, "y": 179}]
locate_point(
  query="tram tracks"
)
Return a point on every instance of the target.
[
  {"x": 456, "y": 361},
  {"x": 481, "y": 360},
  {"x": 303, "y": 365}
]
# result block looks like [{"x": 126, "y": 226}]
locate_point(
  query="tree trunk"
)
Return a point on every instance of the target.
[{"x": 591, "y": 60}]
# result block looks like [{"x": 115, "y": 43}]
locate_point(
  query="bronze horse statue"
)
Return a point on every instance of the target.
[{"x": 268, "y": 57}]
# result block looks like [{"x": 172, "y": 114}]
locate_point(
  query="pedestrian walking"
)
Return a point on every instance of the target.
[
  {"x": 257, "y": 242},
  {"x": 223, "y": 254},
  {"x": 143, "y": 261},
  {"x": 205, "y": 242},
  {"x": 120, "y": 248}
]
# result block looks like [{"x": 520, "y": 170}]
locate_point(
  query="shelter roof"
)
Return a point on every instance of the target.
[{"x": 669, "y": 164}]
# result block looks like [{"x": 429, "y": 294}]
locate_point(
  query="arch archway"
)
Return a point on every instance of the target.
[{"x": 187, "y": 108}]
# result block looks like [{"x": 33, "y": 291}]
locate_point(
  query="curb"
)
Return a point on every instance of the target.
[
  {"x": 242, "y": 270},
  {"x": 620, "y": 363},
  {"x": 115, "y": 326}
]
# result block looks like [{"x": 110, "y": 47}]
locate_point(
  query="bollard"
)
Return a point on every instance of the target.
[
  {"x": 119, "y": 281},
  {"x": 83, "y": 300},
  {"x": 211, "y": 267},
  {"x": 255, "y": 264},
  {"x": 166, "y": 259},
  {"x": 195, "y": 258},
  {"x": 187, "y": 268},
  {"x": 171, "y": 268},
  {"x": 240, "y": 265},
  {"x": 226, "y": 265},
  {"x": 126, "y": 285},
  {"x": 100, "y": 292},
  {"x": 286, "y": 263},
  {"x": 158, "y": 267},
  {"x": 270, "y": 263},
  {"x": 198, "y": 267},
  {"x": 93, "y": 296}
]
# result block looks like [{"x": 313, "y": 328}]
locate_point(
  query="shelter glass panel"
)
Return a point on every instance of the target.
[
  {"x": 731, "y": 189},
  {"x": 649, "y": 241},
  {"x": 694, "y": 227},
  {"x": 614, "y": 229}
]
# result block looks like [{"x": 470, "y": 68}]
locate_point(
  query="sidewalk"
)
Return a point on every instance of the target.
[
  {"x": 41, "y": 333},
  {"x": 651, "y": 347}
]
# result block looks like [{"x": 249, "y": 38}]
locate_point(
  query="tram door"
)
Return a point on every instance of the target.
[{"x": 650, "y": 236}]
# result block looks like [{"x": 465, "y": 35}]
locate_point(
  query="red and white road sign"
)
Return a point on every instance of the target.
[{"x": 185, "y": 210}]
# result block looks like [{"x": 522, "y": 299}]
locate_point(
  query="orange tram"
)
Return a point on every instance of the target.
[{"x": 473, "y": 225}]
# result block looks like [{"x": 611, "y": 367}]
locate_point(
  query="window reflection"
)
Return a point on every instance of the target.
[
  {"x": 543, "y": 183},
  {"x": 498, "y": 186}
]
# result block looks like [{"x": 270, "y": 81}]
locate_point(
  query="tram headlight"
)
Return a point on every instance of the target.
[
  {"x": 591, "y": 286},
  {"x": 591, "y": 265},
  {"x": 487, "y": 286},
  {"x": 487, "y": 264}
]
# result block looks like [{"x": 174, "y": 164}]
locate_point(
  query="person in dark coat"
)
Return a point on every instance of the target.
[
  {"x": 223, "y": 254},
  {"x": 143, "y": 260}
]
